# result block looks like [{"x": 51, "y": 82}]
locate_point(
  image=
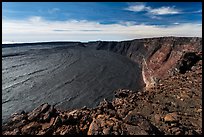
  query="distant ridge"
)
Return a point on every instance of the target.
[
  {"x": 37, "y": 43},
  {"x": 4, "y": 45}
]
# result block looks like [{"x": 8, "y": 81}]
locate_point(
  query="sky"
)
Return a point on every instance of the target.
[{"x": 92, "y": 21}]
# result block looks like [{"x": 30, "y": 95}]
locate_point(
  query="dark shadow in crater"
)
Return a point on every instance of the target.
[{"x": 189, "y": 59}]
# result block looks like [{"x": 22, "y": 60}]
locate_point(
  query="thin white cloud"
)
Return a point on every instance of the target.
[
  {"x": 155, "y": 17},
  {"x": 197, "y": 11},
  {"x": 164, "y": 11},
  {"x": 154, "y": 11},
  {"x": 39, "y": 29},
  {"x": 127, "y": 23},
  {"x": 136, "y": 8},
  {"x": 35, "y": 19},
  {"x": 176, "y": 23},
  {"x": 53, "y": 10}
]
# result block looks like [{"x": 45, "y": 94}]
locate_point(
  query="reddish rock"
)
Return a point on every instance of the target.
[
  {"x": 157, "y": 118},
  {"x": 171, "y": 117},
  {"x": 49, "y": 113},
  {"x": 103, "y": 124},
  {"x": 48, "y": 125},
  {"x": 134, "y": 130},
  {"x": 121, "y": 93},
  {"x": 57, "y": 121},
  {"x": 31, "y": 128},
  {"x": 67, "y": 130},
  {"x": 16, "y": 131},
  {"x": 18, "y": 118},
  {"x": 36, "y": 112}
]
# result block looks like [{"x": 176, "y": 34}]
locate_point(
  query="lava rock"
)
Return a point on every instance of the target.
[
  {"x": 171, "y": 117},
  {"x": 36, "y": 112}
]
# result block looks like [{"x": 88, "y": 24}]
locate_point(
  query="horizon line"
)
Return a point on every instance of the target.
[{"x": 74, "y": 41}]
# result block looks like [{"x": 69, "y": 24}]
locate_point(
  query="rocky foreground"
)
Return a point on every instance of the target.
[{"x": 172, "y": 107}]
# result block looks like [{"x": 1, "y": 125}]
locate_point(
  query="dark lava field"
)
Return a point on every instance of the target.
[{"x": 68, "y": 76}]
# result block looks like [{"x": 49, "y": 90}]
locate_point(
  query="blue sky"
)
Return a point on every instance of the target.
[{"x": 84, "y": 21}]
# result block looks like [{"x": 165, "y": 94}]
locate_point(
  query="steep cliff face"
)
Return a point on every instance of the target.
[{"x": 159, "y": 57}]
